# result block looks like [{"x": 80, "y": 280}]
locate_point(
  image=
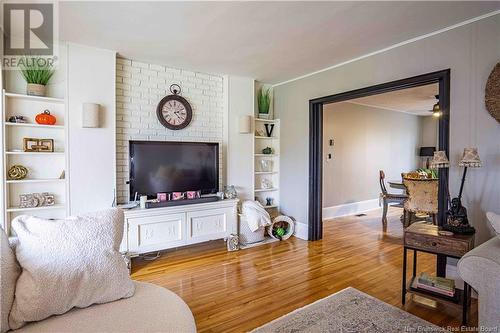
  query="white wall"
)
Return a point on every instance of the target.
[
  {"x": 140, "y": 86},
  {"x": 91, "y": 78},
  {"x": 470, "y": 52},
  {"x": 366, "y": 140},
  {"x": 240, "y": 146},
  {"x": 430, "y": 129}
]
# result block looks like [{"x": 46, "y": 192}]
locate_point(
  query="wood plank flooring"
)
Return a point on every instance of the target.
[{"x": 238, "y": 291}]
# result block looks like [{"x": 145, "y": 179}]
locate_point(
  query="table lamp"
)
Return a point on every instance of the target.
[{"x": 440, "y": 161}]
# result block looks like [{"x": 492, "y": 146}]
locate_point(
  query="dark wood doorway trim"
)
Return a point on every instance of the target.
[{"x": 315, "y": 231}]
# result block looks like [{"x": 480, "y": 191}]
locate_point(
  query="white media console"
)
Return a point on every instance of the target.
[{"x": 155, "y": 229}]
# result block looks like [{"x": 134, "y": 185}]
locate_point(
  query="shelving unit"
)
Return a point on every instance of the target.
[
  {"x": 261, "y": 142},
  {"x": 44, "y": 168},
  {"x": 46, "y": 180},
  {"x": 34, "y": 125}
]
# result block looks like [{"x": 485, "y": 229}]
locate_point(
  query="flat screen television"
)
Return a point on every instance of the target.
[{"x": 157, "y": 167}]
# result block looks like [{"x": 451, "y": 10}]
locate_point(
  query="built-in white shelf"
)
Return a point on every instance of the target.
[
  {"x": 272, "y": 121},
  {"x": 266, "y": 189},
  {"x": 34, "y": 125},
  {"x": 44, "y": 180},
  {"x": 33, "y": 153},
  {"x": 266, "y": 178},
  {"x": 17, "y": 209},
  {"x": 35, "y": 98},
  {"x": 41, "y": 176}
]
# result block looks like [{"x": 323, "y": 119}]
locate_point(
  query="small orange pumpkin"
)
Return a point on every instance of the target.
[{"x": 45, "y": 118}]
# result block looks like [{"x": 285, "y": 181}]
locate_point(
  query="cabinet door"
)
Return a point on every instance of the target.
[
  {"x": 208, "y": 224},
  {"x": 154, "y": 233}
]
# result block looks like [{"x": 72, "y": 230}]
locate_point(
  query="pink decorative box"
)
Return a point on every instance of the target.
[
  {"x": 193, "y": 194},
  {"x": 177, "y": 195},
  {"x": 161, "y": 196}
]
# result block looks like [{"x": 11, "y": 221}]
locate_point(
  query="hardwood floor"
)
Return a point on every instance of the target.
[{"x": 238, "y": 291}]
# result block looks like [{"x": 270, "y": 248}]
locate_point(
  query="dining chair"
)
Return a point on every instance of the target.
[
  {"x": 388, "y": 198},
  {"x": 422, "y": 197}
]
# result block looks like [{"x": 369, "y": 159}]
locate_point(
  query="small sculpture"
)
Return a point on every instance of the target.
[
  {"x": 456, "y": 219},
  {"x": 267, "y": 151},
  {"x": 18, "y": 119},
  {"x": 233, "y": 242},
  {"x": 266, "y": 183},
  {"x": 17, "y": 172}
]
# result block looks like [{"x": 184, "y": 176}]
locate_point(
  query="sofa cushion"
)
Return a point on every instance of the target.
[
  {"x": 73, "y": 262},
  {"x": 9, "y": 272},
  {"x": 494, "y": 222},
  {"x": 151, "y": 309}
]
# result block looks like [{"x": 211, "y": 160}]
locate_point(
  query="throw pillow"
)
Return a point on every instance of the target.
[
  {"x": 494, "y": 222},
  {"x": 73, "y": 262},
  {"x": 9, "y": 272}
]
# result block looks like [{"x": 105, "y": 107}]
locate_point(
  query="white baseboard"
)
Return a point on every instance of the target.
[
  {"x": 301, "y": 231},
  {"x": 350, "y": 209}
]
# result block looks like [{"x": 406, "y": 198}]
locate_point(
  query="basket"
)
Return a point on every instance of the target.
[
  {"x": 247, "y": 236},
  {"x": 280, "y": 221}
]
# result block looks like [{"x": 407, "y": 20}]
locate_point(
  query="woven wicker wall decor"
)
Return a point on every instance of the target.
[{"x": 492, "y": 93}]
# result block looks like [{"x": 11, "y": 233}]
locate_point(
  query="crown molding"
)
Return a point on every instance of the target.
[{"x": 409, "y": 41}]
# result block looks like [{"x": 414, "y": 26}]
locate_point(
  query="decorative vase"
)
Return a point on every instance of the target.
[
  {"x": 45, "y": 118},
  {"x": 263, "y": 115},
  {"x": 266, "y": 165},
  {"x": 34, "y": 89},
  {"x": 230, "y": 192}
]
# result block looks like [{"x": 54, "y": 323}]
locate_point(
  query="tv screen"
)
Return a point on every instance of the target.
[{"x": 157, "y": 167}]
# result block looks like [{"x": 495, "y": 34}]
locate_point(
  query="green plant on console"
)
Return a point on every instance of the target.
[{"x": 432, "y": 172}]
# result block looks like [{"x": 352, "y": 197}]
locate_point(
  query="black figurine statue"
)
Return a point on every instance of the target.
[{"x": 456, "y": 218}]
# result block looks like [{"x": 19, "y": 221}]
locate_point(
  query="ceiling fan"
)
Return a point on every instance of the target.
[{"x": 436, "y": 109}]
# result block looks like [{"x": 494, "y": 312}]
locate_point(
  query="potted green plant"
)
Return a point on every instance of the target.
[
  {"x": 37, "y": 72},
  {"x": 264, "y": 102}
]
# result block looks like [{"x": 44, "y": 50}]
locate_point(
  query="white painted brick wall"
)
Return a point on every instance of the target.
[{"x": 139, "y": 88}]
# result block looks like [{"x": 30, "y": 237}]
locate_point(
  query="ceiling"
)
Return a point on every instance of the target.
[
  {"x": 417, "y": 101},
  {"x": 268, "y": 41}
]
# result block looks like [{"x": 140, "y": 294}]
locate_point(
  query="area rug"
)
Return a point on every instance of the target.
[{"x": 349, "y": 310}]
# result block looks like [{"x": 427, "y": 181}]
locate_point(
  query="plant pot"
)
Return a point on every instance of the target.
[
  {"x": 263, "y": 115},
  {"x": 35, "y": 89}
]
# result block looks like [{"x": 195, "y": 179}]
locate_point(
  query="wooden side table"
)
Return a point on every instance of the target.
[{"x": 424, "y": 237}]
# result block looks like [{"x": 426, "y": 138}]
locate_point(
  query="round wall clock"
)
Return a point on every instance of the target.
[{"x": 174, "y": 111}]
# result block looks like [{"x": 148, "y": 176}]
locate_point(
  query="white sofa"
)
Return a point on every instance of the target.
[
  {"x": 150, "y": 309},
  {"x": 480, "y": 268}
]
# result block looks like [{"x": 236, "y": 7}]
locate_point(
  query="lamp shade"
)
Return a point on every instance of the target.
[
  {"x": 470, "y": 158},
  {"x": 245, "y": 124},
  {"x": 427, "y": 151},
  {"x": 440, "y": 160},
  {"x": 90, "y": 115}
]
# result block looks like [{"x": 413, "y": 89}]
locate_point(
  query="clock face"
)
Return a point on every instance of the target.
[{"x": 174, "y": 112}]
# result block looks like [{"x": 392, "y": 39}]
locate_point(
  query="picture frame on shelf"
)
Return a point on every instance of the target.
[{"x": 38, "y": 145}]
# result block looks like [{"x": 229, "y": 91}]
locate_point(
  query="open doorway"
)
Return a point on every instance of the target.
[
  {"x": 442, "y": 78},
  {"x": 370, "y": 142}
]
